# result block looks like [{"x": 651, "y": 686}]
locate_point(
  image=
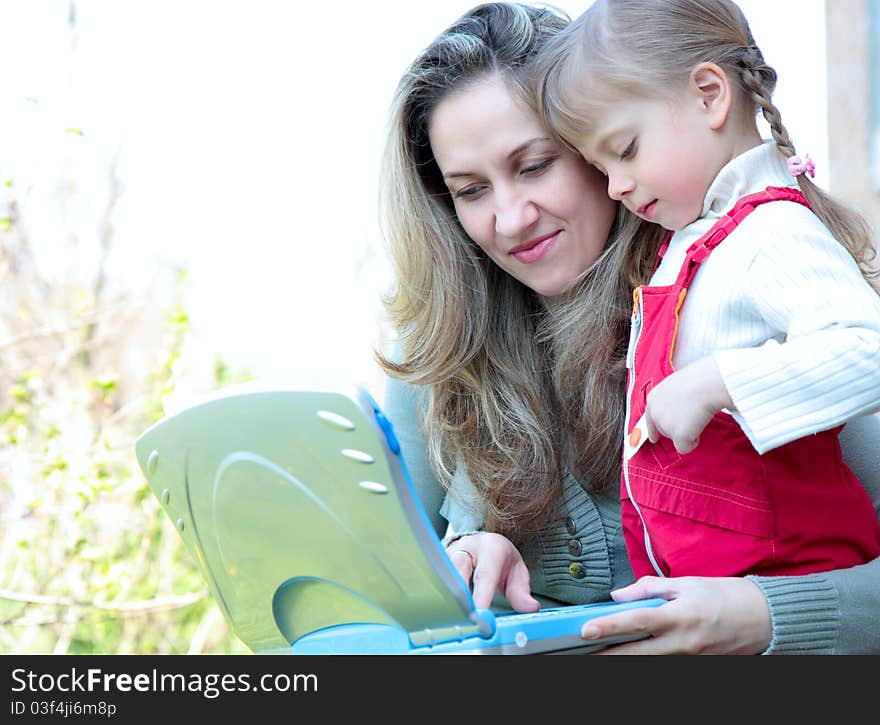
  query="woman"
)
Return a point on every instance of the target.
[{"x": 514, "y": 274}]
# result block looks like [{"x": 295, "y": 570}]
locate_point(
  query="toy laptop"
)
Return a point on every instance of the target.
[{"x": 298, "y": 508}]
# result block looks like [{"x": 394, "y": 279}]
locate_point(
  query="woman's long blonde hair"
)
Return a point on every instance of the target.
[
  {"x": 521, "y": 390},
  {"x": 648, "y": 47}
]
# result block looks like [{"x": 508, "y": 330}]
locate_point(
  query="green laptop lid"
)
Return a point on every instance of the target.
[{"x": 300, "y": 516}]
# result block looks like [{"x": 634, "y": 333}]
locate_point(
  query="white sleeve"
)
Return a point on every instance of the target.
[{"x": 823, "y": 367}]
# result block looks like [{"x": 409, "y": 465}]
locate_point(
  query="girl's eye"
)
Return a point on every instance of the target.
[
  {"x": 536, "y": 168},
  {"x": 629, "y": 151}
]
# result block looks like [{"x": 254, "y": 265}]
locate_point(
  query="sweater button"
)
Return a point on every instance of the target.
[
  {"x": 574, "y": 547},
  {"x": 570, "y": 526},
  {"x": 577, "y": 570}
]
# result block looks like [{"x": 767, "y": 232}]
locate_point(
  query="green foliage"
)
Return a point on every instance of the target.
[{"x": 89, "y": 563}]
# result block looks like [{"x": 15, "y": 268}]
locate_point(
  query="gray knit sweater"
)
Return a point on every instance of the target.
[{"x": 582, "y": 557}]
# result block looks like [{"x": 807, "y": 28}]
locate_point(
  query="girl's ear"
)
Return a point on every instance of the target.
[{"x": 713, "y": 92}]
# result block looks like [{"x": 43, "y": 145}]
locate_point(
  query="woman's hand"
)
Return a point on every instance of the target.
[
  {"x": 489, "y": 563},
  {"x": 704, "y": 615}
]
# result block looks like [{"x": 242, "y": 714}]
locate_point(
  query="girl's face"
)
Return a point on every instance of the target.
[
  {"x": 539, "y": 212},
  {"x": 660, "y": 155}
]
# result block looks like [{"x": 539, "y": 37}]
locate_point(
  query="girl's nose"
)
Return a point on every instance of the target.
[{"x": 619, "y": 185}]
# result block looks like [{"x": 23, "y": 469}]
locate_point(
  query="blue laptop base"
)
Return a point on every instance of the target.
[
  {"x": 299, "y": 510},
  {"x": 552, "y": 630}
]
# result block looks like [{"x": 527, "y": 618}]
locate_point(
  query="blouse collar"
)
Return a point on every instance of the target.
[{"x": 750, "y": 172}]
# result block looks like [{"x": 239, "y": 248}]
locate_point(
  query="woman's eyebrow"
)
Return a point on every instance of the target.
[
  {"x": 519, "y": 150},
  {"x": 525, "y": 145},
  {"x": 457, "y": 174}
]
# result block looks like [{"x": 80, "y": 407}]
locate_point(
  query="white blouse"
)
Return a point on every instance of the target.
[{"x": 783, "y": 307}]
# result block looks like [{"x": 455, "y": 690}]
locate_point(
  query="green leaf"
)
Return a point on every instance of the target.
[{"x": 106, "y": 384}]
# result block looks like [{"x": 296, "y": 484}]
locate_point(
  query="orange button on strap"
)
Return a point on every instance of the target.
[
  {"x": 635, "y": 437},
  {"x": 637, "y": 294}
]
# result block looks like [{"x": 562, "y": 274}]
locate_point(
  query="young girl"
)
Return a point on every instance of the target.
[{"x": 758, "y": 334}]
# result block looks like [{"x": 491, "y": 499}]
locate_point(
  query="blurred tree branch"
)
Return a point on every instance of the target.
[
  {"x": 155, "y": 604},
  {"x": 88, "y": 560}
]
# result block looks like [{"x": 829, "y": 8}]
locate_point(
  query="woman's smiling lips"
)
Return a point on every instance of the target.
[{"x": 534, "y": 249}]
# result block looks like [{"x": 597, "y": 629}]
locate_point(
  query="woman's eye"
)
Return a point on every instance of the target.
[
  {"x": 538, "y": 167},
  {"x": 468, "y": 192},
  {"x": 629, "y": 151}
]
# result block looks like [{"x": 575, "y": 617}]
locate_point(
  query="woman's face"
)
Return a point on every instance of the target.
[{"x": 539, "y": 212}]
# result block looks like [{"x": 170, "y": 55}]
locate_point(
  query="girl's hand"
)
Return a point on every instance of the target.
[
  {"x": 704, "y": 615},
  {"x": 489, "y": 563},
  {"x": 681, "y": 405}
]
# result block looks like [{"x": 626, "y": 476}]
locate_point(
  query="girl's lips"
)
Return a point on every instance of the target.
[
  {"x": 538, "y": 250},
  {"x": 647, "y": 210}
]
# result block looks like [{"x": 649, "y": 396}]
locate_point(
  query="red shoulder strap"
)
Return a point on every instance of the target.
[{"x": 702, "y": 248}]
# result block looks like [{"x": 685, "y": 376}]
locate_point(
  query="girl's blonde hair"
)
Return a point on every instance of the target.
[
  {"x": 645, "y": 46},
  {"x": 520, "y": 390}
]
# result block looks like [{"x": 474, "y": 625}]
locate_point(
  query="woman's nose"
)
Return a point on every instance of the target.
[{"x": 514, "y": 214}]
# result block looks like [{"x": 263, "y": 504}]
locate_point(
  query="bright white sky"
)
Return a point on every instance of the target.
[{"x": 248, "y": 137}]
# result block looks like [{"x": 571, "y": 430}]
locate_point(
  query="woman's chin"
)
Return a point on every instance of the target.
[{"x": 550, "y": 287}]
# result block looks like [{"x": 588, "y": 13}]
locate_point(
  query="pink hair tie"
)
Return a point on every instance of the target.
[{"x": 798, "y": 165}]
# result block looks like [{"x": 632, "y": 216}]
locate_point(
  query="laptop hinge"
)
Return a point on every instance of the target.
[{"x": 483, "y": 626}]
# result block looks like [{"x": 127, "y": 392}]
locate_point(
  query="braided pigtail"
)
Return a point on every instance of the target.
[{"x": 849, "y": 227}]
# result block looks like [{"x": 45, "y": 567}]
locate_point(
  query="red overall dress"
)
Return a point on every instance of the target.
[{"x": 723, "y": 509}]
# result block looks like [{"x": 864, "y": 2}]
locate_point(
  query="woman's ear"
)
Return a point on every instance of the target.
[{"x": 713, "y": 92}]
